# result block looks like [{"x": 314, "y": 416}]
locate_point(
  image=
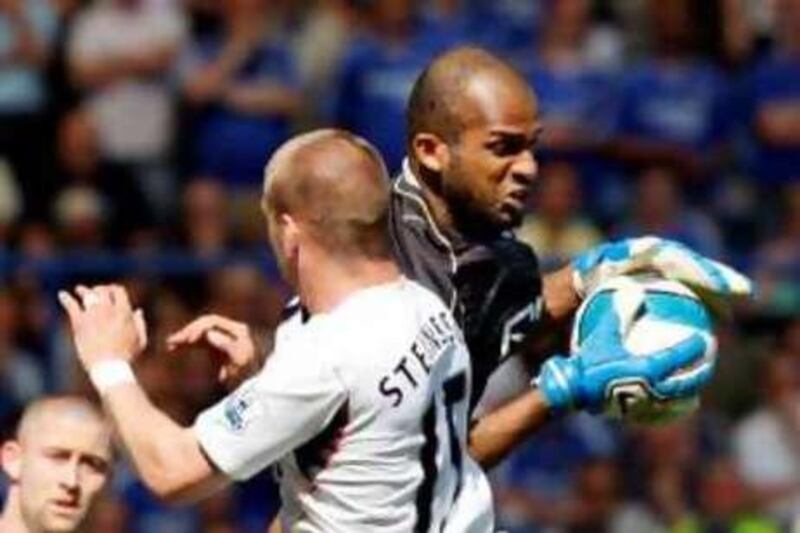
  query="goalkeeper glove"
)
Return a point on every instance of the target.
[
  {"x": 584, "y": 380},
  {"x": 670, "y": 259}
]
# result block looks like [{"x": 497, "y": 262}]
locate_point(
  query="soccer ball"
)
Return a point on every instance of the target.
[{"x": 665, "y": 312}]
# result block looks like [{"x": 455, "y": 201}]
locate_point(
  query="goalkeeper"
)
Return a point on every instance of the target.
[{"x": 472, "y": 130}]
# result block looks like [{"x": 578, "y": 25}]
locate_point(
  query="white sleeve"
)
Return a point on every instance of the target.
[{"x": 271, "y": 414}]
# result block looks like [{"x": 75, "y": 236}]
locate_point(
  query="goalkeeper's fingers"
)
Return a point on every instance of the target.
[
  {"x": 681, "y": 263},
  {"x": 611, "y": 329},
  {"x": 663, "y": 363},
  {"x": 686, "y": 384}
]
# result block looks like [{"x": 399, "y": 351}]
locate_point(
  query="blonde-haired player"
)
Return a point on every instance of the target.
[{"x": 362, "y": 404}]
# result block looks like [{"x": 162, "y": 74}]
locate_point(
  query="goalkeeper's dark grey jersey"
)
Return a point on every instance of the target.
[{"x": 493, "y": 288}]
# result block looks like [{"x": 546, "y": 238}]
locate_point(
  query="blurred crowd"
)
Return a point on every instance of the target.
[{"x": 133, "y": 134}]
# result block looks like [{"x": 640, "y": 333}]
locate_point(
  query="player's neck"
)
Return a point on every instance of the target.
[
  {"x": 440, "y": 211},
  {"x": 327, "y": 282},
  {"x": 11, "y": 520},
  {"x": 437, "y": 206},
  {"x": 457, "y": 227}
]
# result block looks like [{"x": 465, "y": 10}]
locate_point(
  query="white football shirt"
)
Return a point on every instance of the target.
[{"x": 365, "y": 409}]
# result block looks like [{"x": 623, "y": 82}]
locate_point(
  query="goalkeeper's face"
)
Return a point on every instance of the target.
[{"x": 492, "y": 165}]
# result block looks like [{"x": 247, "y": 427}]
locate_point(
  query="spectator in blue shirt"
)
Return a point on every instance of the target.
[
  {"x": 242, "y": 84},
  {"x": 673, "y": 105},
  {"x": 26, "y": 31},
  {"x": 533, "y": 487},
  {"x": 577, "y": 94},
  {"x": 379, "y": 70},
  {"x": 576, "y": 97},
  {"x": 774, "y": 103},
  {"x": 504, "y": 25}
]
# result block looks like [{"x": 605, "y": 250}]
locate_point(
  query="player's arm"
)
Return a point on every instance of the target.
[
  {"x": 581, "y": 380},
  {"x": 559, "y": 295},
  {"x": 264, "y": 419},
  {"x": 167, "y": 456},
  {"x": 495, "y": 434}
]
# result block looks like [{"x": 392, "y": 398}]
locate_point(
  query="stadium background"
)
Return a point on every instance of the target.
[{"x": 132, "y": 137}]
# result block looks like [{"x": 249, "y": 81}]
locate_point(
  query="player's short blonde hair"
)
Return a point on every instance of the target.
[{"x": 337, "y": 184}]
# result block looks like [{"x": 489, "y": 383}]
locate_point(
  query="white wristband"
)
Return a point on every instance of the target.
[{"x": 107, "y": 374}]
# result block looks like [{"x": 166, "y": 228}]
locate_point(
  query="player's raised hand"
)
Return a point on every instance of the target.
[
  {"x": 104, "y": 324},
  {"x": 230, "y": 339}
]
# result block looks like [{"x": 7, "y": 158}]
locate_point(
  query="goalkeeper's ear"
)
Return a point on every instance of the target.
[{"x": 431, "y": 152}]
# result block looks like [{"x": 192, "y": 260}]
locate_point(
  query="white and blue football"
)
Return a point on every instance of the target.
[{"x": 661, "y": 314}]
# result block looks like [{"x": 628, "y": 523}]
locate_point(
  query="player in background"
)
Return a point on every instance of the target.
[
  {"x": 473, "y": 125},
  {"x": 58, "y": 463},
  {"x": 364, "y": 401}
]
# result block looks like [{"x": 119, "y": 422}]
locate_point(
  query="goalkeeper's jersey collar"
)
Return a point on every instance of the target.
[
  {"x": 425, "y": 251},
  {"x": 408, "y": 185}
]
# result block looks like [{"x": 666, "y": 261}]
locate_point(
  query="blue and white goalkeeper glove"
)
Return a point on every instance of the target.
[
  {"x": 670, "y": 259},
  {"x": 584, "y": 380}
]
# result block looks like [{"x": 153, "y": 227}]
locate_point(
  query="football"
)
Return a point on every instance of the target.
[{"x": 664, "y": 313}]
